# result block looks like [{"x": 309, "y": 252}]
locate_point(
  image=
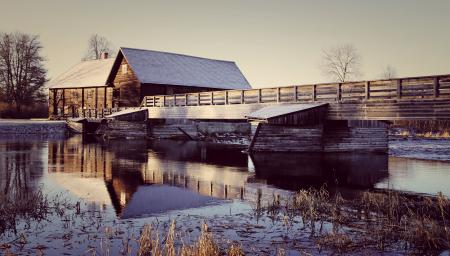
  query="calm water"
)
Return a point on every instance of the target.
[
  {"x": 172, "y": 175},
  {"x": 135, "y": 179}
]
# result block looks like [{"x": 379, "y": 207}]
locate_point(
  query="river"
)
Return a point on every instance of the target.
[{"x": 126, "y": 183}]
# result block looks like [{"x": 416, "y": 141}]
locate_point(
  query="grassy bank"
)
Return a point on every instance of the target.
[
  {"x": 424, "y": 129},
  {"x": 36, "y": 110},
  {"x": 310, "y": 222}
]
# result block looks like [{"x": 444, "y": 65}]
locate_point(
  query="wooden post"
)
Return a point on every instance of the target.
[
  {"x": 63, "y": 101},
  {"x": 436, "y": 87},
  {"x": 175, "y": 100},
  {"x": 82, "y": 100},
  {"x": 154, "y": 101},
  {"x": 96, "y": 100},
  {"x": 367, "y": 90},
  {"x": 259, "y": 95},
  {"x": 339, "y": 92},
  {"x": 314, "y": 93},
  {"x": 242, "y": 97},
  {"x": 278, "y": 94},
  {"x": 212, "y": 98},
  {"x": 55, "y": 102},
  {"x": 164, "y": 101},
  {"x": 226, "y": 97},
  {"x": 104, "y": 98},
  {"x": 185, "y": 99},
  {"x": 295, "y": 93},
  {"x": 399, "y": 88}
]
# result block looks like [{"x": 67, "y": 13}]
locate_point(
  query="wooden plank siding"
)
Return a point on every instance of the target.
[
  {"x": 287, "y": 138},
  {"x": 332, "y": 136},
  {"x": 128, "y": 86}
]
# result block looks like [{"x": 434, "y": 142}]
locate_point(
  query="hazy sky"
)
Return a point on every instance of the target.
[{"x": 273, "y": 42}]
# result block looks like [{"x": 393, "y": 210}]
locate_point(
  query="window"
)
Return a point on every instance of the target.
[{"x": 124, "y": 68}]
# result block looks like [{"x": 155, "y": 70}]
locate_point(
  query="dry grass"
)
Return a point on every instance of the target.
[
  {"x": 173, "y": 245},
  {"x": 424, "y": 129},
  {"x": 31, "y": 206},
  {"x": 377, "y": 220}
]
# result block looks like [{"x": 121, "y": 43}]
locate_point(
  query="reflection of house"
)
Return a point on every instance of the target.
[{"x": 135, "y": 73}]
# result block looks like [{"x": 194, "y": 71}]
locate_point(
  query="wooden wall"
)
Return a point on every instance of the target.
[
  {"x": 333, "y": 136},
  {"x": 273, "y": 138},
  {"x": 345, "y": 136},
  {"x": 127, "y": 85}
]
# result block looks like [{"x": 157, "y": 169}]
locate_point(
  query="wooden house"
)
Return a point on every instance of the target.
[{"x": 96, "y": 85}]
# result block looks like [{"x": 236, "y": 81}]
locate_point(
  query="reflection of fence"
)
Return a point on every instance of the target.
[
  {"x": 247, "y": 191},
  {"x": 427, "y": 87}
]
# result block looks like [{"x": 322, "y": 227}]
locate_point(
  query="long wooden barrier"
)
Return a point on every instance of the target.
[{"x": 409, "y": 88}]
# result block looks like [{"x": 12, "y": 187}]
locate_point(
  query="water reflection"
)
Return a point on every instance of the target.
[
  {"x": 147, "y": 177},
  {"x": 20, "y": 167},
  {"x": 138, "y": 177},
  {"x": 295, "y": 171}
]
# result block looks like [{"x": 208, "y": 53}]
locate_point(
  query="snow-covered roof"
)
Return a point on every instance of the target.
[
  {"x": 92, "y": 73},
  {"x": 156, "y": 67},
  {"x": 280, "y": 110}
]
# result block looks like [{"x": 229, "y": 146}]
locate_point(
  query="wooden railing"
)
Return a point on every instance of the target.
[
  {"x": 401, "y": 88},
  {"x": 91, "y": 113}
]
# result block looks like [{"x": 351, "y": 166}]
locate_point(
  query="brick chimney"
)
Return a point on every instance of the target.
[{"x": 104, "y": 55}]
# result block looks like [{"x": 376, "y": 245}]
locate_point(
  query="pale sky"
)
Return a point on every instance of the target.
[{"x": 274, "y": 43}]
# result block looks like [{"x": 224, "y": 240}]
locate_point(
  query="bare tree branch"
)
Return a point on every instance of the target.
[
  {"x": 389, "y": 72},
  {"x": 341, "y": 63},
  {"x": 97, "y": 45}
]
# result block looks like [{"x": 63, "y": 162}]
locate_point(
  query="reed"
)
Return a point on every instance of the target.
[
  {"x": 377, "y": 220},
  {"x": 205, "y": 245}
]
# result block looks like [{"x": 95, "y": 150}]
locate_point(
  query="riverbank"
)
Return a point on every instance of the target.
[
  {"x": 309, "y": 222},
  {"x": 101, "y": 197},
  {"x": 29, "y": 128}
]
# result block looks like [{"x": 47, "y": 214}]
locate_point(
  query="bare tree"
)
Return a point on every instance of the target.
[
  {"x": 22, "y": 74},
  {"x": 341, "y": 63},
  {"x": 389, "y": 72},
  {"x": 97, "y": 45}
]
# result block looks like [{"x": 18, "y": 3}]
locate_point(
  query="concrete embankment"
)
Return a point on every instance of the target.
[{"x": 32, "y": 128}]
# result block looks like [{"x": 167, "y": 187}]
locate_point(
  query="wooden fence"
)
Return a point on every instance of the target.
[
  {"x": 426, "y": 87},
  {"x": 90, "y": 112}
]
